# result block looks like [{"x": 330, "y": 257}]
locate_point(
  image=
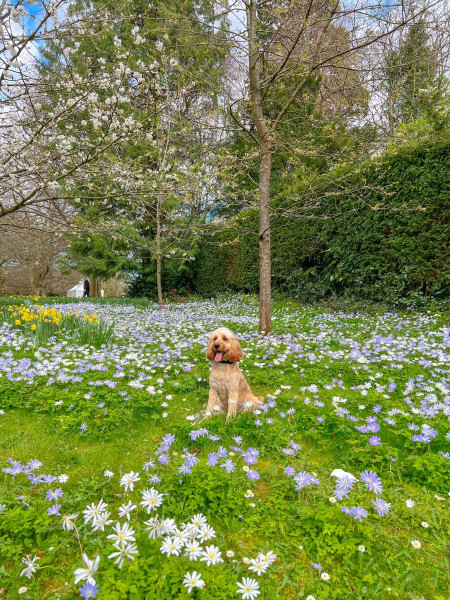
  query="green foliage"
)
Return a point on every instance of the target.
[{"x": 379, "y": 233}]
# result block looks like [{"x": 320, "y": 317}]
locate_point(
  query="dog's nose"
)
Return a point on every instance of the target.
[{"x": 216, "y": 346}]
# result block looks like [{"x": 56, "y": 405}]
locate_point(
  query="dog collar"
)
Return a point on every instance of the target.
[{"x": 226, "y": 362}]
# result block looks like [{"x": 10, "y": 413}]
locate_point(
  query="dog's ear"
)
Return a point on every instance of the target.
[
  {"x": 234, "y": 353},
  {"x": 210, "y": 354}
]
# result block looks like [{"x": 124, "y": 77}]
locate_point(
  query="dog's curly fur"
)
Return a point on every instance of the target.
[{"x": 229, "y": 391}]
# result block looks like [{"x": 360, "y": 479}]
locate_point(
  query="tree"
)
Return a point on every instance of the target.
[
  {"x": 287, "y": 47},
  {"x": 411, "y": 69}
]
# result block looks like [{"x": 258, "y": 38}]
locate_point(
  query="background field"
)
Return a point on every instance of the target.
[{"x": 81, "y": 409}]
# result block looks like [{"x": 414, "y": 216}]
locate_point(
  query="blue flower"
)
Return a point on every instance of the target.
[
  {"x": 88, "y": 590},
  {"x": 375, "y": 441},
  {"x": 372, "y": 481},
  {"x": 381, "y": 507},
  {"x": 228, "y": 465},
  {"x": 358, "y": 512}
]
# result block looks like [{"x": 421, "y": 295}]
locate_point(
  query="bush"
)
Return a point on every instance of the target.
[{"x": 385, "y": 238}]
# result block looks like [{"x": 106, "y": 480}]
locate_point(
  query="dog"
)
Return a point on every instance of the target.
[{"x": 229, "y": 391}]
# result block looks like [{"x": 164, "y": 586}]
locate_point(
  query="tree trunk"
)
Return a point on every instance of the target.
[
  {"x": 265, "y": 268},
  {"x": 94, "y": 289},
  {"x": 265, "y": 168},
  {"x": 158, "y": 254}
]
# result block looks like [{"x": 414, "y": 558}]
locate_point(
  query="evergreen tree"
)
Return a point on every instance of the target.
[{"x": 411, "y": 75}]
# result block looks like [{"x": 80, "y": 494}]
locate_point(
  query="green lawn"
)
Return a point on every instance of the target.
[{"x": 308, "y": 348}]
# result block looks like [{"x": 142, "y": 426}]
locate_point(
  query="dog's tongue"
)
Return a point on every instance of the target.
[{"x": 218, "y": 357}]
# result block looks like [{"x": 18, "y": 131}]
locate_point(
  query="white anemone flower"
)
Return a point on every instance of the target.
[
  {"x": 199, "y": 520},
  {"x": 193, "y": 580},
  {"x": 87, "y": 573},
  {"x": 171, "y": 546},
  {"x": 211, "y": 555},
  {"x": 258, "y": 566},
  {"x": 249, "y": 588},
  {"x": 31, "y": 566},
  {"x": 206, "y": 533},
  {"x": 154, "y": 527},
  {"x": 67, "y": 521},
  {"x": 123, "y": 551},
  {"x": 193, "y": 550},
  {"x": 128, "y": 480},
  {"x": 100, "y": 521},
  {"x": 122, "y": 533},
  {"x": 93, "y": 510},
  {"x": 268, "y": 558},
  {"x": 125, "y": 510},
  {"x": 151, "y": 499}
]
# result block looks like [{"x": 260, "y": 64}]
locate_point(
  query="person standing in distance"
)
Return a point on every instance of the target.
[{"x": 86, "y": 288}]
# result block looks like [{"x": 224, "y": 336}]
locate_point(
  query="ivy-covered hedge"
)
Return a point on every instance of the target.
[{"x": 397, "y": 252}]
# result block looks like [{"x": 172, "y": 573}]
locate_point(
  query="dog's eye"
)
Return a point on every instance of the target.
[{"x": 225, "y": 339}]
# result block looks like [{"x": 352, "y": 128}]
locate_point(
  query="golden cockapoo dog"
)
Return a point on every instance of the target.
[{"x": 229, "y": 391}]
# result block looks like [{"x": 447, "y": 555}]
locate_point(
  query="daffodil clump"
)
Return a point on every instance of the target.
[{"x": 47, "y": 321}]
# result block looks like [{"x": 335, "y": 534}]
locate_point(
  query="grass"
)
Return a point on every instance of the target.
[{"x": 301, "y": 527}]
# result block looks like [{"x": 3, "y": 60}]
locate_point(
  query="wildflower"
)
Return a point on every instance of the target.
[
  {"x": 416, "y": 544},
  {"x": 425, "y": 524},
  {"x": 310, "y": 597},
  {"x": 22, "y": 590},
  {"x": 154, "y": 527},
  {"x": 381, "y": 507},
  {"x": 54, "y": 510},
  {"x": 258, "y": 566},
  {"x": 372, "y": 481},
  {"x": 410, "y": 503},
  {"x": 67, "y": 522},
  {"x": 316, "y": 566},
  {"x": 249, "y": 494},
  {"x": 87, "y": 573},
  {"x": 108, "y": 474},
  {"x": 361, "y": 548},
  {"x": 375, "y": 441},
  {"x": 358, "y": 512},
  {"x": 206, "y": 532},
  {"x": 249, "y": 588},
  {"x": 211, "y": 555},
  {"x": 302, "y": 480},
  {"x": 94, "y": 510},
  {"x": 230, "y": 553},
  {"x": 253, "y": 475},
  {"x": 125, "y": 510},
  {"x": 123, "y": 533},
  {"x": 229, "y": 466},
  {"x": 151, "y": 499},
  {"x": 198, "y": 520},
  {"x": 171, "y": 546},
  {"x": 87, "y": 590},
  {"x": 31, "y": 566},
  {"x": 193, "y": 580},
  {"x": 51, "y": 495},
  {"x": 268, "y": 558},
  {"x": 193, "y": 550},
  {"x": 63, "y": 478},
  {"x": 332, "y": 500},
  {"x": 124, "y": 551},
  {"x": 290, "y": 472},
  {"x": 128, "y": 480},
  {"x": 100, "y": 521},
  {"x": 325, "y": 576}
]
